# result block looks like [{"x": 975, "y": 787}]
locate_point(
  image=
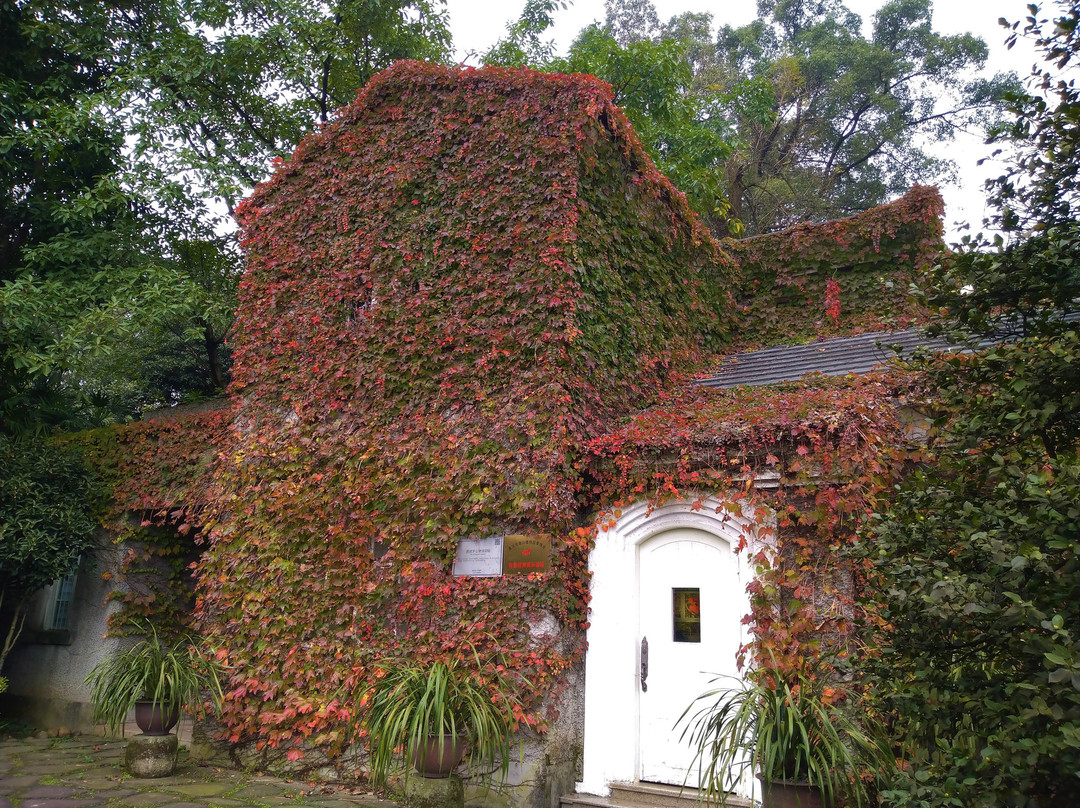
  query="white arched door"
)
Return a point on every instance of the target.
[
  {"x": 690, "y": 603},
  {"x": 642, "y": 568}
]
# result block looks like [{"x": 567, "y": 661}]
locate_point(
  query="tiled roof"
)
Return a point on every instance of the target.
[{"x": 833, "y": 357}]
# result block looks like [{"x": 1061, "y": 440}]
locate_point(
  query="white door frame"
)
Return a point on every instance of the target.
[{"x": 611, "y": 661}]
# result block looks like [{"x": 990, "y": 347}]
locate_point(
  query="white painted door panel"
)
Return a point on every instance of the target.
[{"x": 681, "y": 572}]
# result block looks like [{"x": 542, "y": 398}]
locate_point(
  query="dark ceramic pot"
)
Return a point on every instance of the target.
[
  {"x": 154, "y": 719},
  {"x": 790, "y": 794},
  {"x": 437, "y": 758}
]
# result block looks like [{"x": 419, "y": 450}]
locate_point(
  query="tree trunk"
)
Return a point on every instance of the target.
[
  {"x": 213, "y": 358},
  {"x": 18, "y": 620}
]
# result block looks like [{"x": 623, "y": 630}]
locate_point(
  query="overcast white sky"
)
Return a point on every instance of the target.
[{"x": 477, "y": 24}]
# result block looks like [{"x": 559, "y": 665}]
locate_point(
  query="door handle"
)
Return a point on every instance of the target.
[{"x": 644, "y": 663}]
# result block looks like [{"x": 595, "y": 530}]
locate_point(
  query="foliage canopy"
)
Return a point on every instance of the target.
[
  {"x": 792, "y": 118},
  {"x": 974, "y": 577},
  {"x": 127, "y": 135},
  {"x": 46, "y": 501}
]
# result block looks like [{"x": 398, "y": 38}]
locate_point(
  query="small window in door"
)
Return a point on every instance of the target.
[{"x": 686, "y": 614}]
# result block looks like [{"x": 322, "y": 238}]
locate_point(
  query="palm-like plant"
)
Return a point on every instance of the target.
[
  {"x": 784, "y": 728},
  {"x": 170, "y": 675},
  {"x": 412, "y": 703}
]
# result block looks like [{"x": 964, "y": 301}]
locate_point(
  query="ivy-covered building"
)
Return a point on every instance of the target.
[{"x": 474, "y": 309}]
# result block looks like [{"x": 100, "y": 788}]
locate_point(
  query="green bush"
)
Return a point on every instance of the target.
[{"x": 47, "y": 501}]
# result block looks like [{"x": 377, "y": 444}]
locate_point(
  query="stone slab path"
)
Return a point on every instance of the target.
[{"x": 87, "y": 772}]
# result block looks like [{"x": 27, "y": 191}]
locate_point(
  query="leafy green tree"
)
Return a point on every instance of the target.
[
  {"x": 630, "y": 21},
  {"x": 524, "y": 44},
  {"x": 215, "y": 93},
  {"x": 127, "y": 136},
  {"x": 849, "y": 113},
  {"x": 794, "y": 117},
  {"x": 174, "y": 347},
  {"x": 685, "y": 130},
  {"x": 217, "y": 90},
  {"x": 46, "y": 497},
  {"x": 72, "y": 238},
  {"x": 974, "y": 572}
]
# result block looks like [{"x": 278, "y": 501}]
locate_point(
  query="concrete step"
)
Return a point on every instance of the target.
[
  {"x": 646, "y": 795},
  {"x": 654, "y": 795}
]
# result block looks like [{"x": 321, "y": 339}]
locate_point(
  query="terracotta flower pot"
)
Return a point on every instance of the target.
[
  {"x": 154, "y": 720},
  {"x": 437, "y": 758},
  {"x": 790, "y": 794}
]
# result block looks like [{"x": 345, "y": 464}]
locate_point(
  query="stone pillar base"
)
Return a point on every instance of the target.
[
  {"x": 151, "y": 755},
  {"x": 424, "y": 792}
]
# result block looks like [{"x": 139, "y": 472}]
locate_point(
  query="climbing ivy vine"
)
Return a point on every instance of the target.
[{"x": 473, "y": 306}]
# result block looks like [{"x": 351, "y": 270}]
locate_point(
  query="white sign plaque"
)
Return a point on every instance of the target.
[{"x": 479, "y": 558}]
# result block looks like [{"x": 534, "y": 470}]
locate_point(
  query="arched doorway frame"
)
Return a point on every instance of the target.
[{"x": 610, "y": 751}]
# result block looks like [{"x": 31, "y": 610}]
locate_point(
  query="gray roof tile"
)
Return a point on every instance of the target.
[{"x": 833, "y": 357}]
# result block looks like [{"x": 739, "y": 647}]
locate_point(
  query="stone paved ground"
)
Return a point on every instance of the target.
[{"x": 87, "y": 772}]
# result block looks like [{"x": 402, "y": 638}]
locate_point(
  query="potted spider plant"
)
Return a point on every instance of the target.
[
  {"x": 790, "y": 730},
  {"x": 431, "y": 714},
  {"x": 157, "y": 678}
]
